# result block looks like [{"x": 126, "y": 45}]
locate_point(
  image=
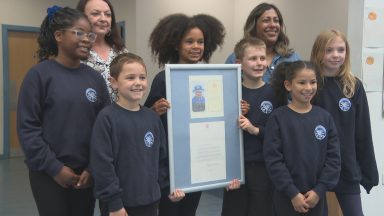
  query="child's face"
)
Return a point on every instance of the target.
[
  {"x": 74, "y": 42},
  {"x": 334, "y": 56},
  {"x": 191, "y": 48},
  {"x": 303, "y": 87},
  {"x": 253, "y": 63},
  {"x": 131, "y": 84}
]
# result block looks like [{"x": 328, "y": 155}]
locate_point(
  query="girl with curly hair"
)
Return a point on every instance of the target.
[{"x": 180, "y": 39}]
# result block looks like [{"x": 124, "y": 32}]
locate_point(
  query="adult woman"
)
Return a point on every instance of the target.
[
  {"x": 108, "y": 43},
  {"x": 266, "y": 22}
]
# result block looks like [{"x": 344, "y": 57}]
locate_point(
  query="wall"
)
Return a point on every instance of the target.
[{"x": 125, "y": 10}]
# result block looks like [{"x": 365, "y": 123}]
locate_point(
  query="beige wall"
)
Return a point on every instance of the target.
[{"x": 304, "y": 20}]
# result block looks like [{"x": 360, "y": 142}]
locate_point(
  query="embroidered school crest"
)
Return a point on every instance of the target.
[
  {"x": 345, "y": 104},
  {"x": 91, "y": 94},
  {"x": 266, "y": 107},
  {"x": 320, "y": 132},
  {"x": 149, "y": 139}
]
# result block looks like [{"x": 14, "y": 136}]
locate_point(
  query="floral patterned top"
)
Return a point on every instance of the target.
[{"x": 101, "y": 65}]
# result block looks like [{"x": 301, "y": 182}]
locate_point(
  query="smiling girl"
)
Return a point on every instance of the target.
[
  {"x": 58, "y": 103},
  {"x": 179, "y": 39},
  {"x": 343, "y": 95},
  {"x": 301, "y": 148}
]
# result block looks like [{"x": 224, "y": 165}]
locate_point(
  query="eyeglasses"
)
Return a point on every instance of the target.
[{"x": 80, "y": 35}]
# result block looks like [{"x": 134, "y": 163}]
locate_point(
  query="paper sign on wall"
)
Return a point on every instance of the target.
[
  {"x": 373, "y": 69},
  {"x": 373, "y": 27}
]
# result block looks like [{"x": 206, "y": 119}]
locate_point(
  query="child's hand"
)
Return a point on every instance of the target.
[
  {"x": 311, "y": 198},
  {"x": 245, "y": 107},
  {"x": 66, "y": 177},
  {"x": 234, "y": 184},
  {"x": 120, "y": 212},
  {"x": 85, "y": 180},
  {"x": 161, "y": 106},
  {"x": 246, "y": 125},
  {"x": 177, "y": 195},
  {"x": 299, "y": 203}
]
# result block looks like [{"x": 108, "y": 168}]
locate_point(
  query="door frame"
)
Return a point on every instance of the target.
[{"x": 5, "y": 33}]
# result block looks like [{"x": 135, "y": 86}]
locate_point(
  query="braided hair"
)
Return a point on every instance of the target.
[{"x": 57, "y": 19}]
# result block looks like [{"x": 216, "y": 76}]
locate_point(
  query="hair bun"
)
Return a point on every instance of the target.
[{"x": 52, "y": 10}]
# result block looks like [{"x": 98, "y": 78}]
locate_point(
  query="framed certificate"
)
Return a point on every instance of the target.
[{"x": 205, "y": 141}]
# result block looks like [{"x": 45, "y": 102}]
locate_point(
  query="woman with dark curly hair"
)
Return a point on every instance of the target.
[
  {"x": 180, "y": 39},
  {"x": 266, "y": 23}
]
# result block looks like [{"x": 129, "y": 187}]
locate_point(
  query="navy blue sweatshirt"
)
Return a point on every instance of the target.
[
  {"x": 262, "y": 103},
  {"x": 56, "y": 111},
  {"x": 128, "y": 157},
  {"x": 302, "y": 151},
  {"x": 351, "y": 116}
]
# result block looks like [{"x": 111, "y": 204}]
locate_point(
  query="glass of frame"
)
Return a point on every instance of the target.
[{"x": 205, "y": 141}]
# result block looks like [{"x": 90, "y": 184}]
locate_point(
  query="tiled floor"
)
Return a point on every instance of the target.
[{"x": 16, "y": 198}]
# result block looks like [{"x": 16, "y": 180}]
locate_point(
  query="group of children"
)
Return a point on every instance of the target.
[{"x": 299, "y": 141}]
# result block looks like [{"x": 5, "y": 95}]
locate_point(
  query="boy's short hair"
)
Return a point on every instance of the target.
[
  {"x": 247, "y": 42},
  {"x": 124, "y": 58}
]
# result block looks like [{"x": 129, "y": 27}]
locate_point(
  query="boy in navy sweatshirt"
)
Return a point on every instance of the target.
[
  {"x": 255, "y": 196},
  {"x": 128, "y": 147}
]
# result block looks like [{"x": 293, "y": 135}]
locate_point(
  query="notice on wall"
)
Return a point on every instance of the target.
[
  {"x": 373, "y": 65},
  {"x": 374, "y": 3},
  {"x": 373, "y": 35}
]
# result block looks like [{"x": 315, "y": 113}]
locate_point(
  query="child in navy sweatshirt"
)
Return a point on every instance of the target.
[
  {"x": 301, "y": 147},
  {"x": 128, "y": 149},
  {"x": 180, "y": 39},
  {"x": 58, "y": 104},
  {"x": 255, "y": 196},
  {"x": 343, "y": 96}
]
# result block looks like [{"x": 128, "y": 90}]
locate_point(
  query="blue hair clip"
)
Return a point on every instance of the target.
[{"x": 52, "y": 10}]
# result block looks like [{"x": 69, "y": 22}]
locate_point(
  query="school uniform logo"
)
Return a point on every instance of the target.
[
  {"x": 320, "y": 132},
  {"x": 149, "y": 139},
  {"x": 345, "y": 104},
  {"x": 266, "y": 107},
  {"x": 91, "y": 94}
]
